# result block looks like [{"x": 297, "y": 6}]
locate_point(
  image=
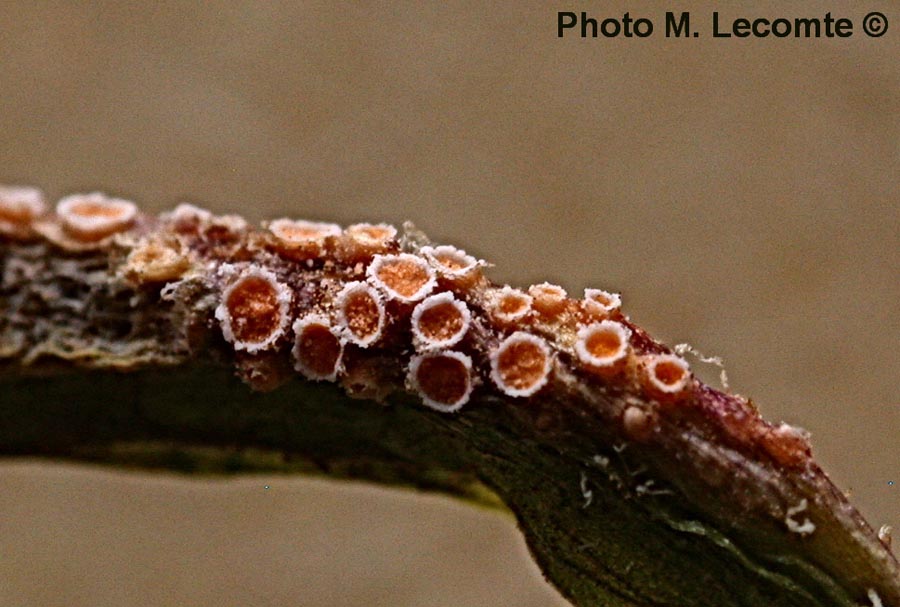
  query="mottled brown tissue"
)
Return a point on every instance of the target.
[{"x": 740, "y": 194}]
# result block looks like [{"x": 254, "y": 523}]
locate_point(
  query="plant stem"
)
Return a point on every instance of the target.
[{"x": 709, "y": 506}]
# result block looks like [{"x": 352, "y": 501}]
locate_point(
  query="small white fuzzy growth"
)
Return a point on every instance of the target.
[
  {"x": 655, "y": 361},
  {"x": 420, "y": 317},
  {"x": 231, "y": 324},
  {"x": 586, "y": 493},
  {"x": 598, "y": 301},
  {"x": 427, "y": 393},
  {"x": 354, "y": 330},
  {"x": 300, "y": 327},
  {"x": 20, "y": 204},
  {"x": 884, "y": 534},
  {"x": 874, "y": 598},
  {"x": 804, "y": 528},
  {"x": 403, "y": 277},
  {"x": 450, "y": 261},
  {"x": 504, "y": 371},
  {"x": 95, "y": 216},
  {"x": 608, "y": 336},
  {"x": 682, "y": 349}
]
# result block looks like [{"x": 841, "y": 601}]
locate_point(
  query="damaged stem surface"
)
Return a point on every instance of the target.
[{"x": 198, "y": 343}]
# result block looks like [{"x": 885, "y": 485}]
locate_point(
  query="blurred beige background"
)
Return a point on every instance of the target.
[{"x": 742, "y": 194}]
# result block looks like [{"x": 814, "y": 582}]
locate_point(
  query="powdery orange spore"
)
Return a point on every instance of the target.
[
  {"x": 603, "y": 344},
  {"x": 360, "y": 313},
  {"x": 254, "y": 310},
  {"x": 521, "y": 365},
  {"x": 440, "y": 321},
  {"x": 318, "y": 348},
  {"x": 19, "y": 206},
  {"x": 548, "y": 300},
  {"x": 442, "y": 379},
  {"x": 93, "y": 217},
  {"x": 403, "y": 277}
]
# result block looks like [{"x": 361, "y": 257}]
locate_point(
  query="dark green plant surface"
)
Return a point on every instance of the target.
[
  {"x": 111, "y": 352},
  {"x": 597, "y": 535}
]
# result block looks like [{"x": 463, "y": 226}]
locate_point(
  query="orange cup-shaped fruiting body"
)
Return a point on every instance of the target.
[
  {"x": 254, "y": 310},
  {"x": 93, "y": 217},
  {"x": 549, "y": 300},
  {"x": 666, "y": 376},
  {"x": 509, "y": 305},
  {"x": 156, "y": 260},
  {"x": 452, "y": 264},
  {"x": 601, "y": 304},
  {"x": 603, "y": 346},
  {"x": 442, "y": 379},
  {"x": 361, "y": 241},
  {"x": 440, "y": 321},
  {"x": 301, "y": 239},
  {"x": 402, "y": 277},
  {"x": 521, "y": 364},
  {"x": 19, "y": 206},
  {"x": 318, "y": 348},
  {"x": 360, "y": 312}
]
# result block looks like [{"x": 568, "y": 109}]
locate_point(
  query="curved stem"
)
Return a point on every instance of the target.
[{"x": 624, "y": 497}]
